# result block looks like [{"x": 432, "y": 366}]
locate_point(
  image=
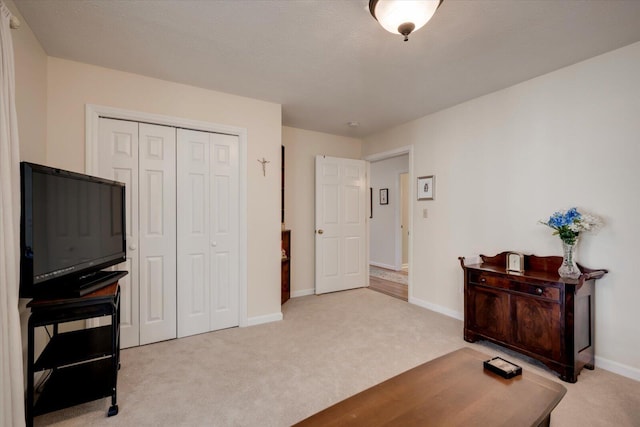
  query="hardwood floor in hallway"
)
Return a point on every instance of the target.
[{"x": 396, "y": 290}]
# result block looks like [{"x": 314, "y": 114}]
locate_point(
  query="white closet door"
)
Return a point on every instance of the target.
[
  {"x": 225, "y": 228},
  {"x": 157, "y": 198},
  {"x": 194, "y": 228},
  {"x": 208, "y": 230},
  {"x": 118, "y": 154}
]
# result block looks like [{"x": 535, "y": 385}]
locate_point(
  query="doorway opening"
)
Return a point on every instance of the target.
[{"x": 390, "y": 223}]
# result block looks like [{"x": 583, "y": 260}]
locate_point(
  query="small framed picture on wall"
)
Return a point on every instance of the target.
[
  {"x": 426, "y": 186},
  {"x": 384, "y": 196}
]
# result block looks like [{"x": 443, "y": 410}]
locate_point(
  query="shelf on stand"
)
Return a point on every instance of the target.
[
  {"x": 86, "y": 344},
  {"x": 76, "y": 384}
]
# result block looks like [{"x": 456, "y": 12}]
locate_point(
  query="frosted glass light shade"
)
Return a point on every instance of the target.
[{"x": 392, "y": 14}]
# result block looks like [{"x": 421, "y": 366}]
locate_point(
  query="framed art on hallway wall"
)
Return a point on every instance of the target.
[
  {"x": 384, "y": 196},
  {"x": 426, "y": 187}
]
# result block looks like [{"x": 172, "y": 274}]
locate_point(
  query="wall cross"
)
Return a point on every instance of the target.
[{"x": 264, "y": 165}]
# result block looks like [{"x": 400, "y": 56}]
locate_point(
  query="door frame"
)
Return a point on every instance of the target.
[
  {"x": 407, "y": 149},
  {"x": 398, "y": 215},
  {"x": 92, "y": 116}
]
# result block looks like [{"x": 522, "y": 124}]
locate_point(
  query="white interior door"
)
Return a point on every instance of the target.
[
  {"x": 208, "y": 232},
  {"x": 161, "y": 201},
  {"x": 157, "y": 203},
  {"x": 194, "y": 275},
  {"x": 118, "y": 160},
  {"x": 225, "y": 246},
  {"x": 340, "y": 224}
]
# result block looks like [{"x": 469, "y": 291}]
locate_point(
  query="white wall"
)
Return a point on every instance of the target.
[
  {"x": 71, "y": 85},
  {"x": 301, "y": 147},
  {"x": 384, "y": 226},
  {"x": 31, "y": 90},
  {"x": 510, "y": 158}
]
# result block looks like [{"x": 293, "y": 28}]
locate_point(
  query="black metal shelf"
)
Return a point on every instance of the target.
[
  {"x": 76, "y": 384},
  {"x": 87, "y": 344},
  {"x": 83, "y": 363}
]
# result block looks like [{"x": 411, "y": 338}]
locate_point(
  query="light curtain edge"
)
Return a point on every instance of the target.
[{"x": 11, "y": 367}]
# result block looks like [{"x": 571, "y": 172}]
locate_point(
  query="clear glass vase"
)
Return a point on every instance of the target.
[{"x": 569, "y": 269}]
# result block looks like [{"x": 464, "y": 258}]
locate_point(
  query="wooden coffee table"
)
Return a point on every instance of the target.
[{"x": 452, "y": 390}]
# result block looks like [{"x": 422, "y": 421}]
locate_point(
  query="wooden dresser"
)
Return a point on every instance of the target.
[{"x": 536, "y": 312}]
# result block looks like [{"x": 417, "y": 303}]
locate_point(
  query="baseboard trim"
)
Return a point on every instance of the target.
[
  {"x": 266, "y": 318},
  {"x": 382, "y": 265},
  {"x": 303, "y": 293},
  {"x": 618, "y": 368},
  {"x": 437, "y": 308}
]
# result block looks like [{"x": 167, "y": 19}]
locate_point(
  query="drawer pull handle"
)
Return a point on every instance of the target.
[
  {"x": 483, "y": 280},
  {"x": 539, "y": 291}
]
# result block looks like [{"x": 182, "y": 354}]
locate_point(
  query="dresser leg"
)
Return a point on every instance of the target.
[
  {"x": 470, "y": 336},
  {"x": 569, "y": 377}
]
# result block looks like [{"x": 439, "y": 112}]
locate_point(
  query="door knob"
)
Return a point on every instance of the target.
[
  {"x": 132, "y": 247},
  {"x": 320, "y": 231},
  {"x": 214, "y": 244}
]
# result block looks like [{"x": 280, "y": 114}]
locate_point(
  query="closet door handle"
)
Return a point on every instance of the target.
[
  {"x": 132, "y": 247},
  {"x": 214, "y": 244}
]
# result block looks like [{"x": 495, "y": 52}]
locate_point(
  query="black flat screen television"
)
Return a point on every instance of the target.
[{"x": 72, "y": 226}]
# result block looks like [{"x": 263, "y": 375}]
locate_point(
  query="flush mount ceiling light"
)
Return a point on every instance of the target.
[{"x": 403, "y": 16}]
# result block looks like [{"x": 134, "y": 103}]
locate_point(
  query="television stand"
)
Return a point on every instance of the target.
[{"x": 83, "y": 364}]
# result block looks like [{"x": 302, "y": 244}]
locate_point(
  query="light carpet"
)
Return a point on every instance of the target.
[
  {"x": 390, "y": 275},
  {"x": 326, "y": 349}
]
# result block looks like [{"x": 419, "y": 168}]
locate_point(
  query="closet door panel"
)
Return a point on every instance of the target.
[
  {"x": 194, "y": 267},
  {"x": 157, "y": 200},
  {"x": 129, "y": 300},
  {"x": 225, "y": 231},
  {"x": 182, "y": 228},
  {"x": 118, "y": 154}
]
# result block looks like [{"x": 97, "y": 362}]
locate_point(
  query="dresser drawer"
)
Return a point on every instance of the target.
[
  {"x": 489, "y": 280},
  {"x": 505, "y": 282},
  {"x": 537, "y": 290}
]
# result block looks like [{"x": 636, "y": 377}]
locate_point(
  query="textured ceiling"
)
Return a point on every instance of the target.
[{"x": 328, "y": 62}]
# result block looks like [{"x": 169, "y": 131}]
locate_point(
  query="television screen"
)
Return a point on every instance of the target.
[{"x": 72, "y": 225}]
